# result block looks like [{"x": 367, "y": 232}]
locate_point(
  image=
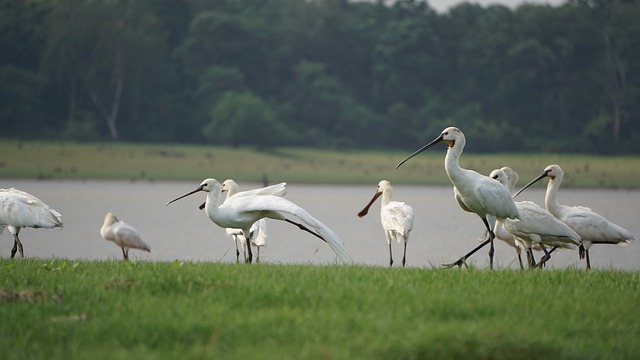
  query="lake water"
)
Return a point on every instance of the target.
[{"x": 442, "y": 231}]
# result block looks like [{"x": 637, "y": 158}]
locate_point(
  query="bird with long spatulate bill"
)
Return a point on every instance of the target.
[
  {"x": 246, "y": 207},
  {"x": 474, "y": 192},
  {"x": 396, "y": 218},
  {"x": 537, "y": 226},
  {"x": 592, "y": 227}
]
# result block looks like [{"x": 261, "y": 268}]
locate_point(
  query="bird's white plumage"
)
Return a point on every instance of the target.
[
  {"x": 122, "y": 234},
  {"x": 535, "y": 225},
  {"x": 474, "y": 192},
  {"x": 246, "y": 207},
  {"x": 20, "y": 209},
  {"x": 592, "y": 227},
  {"x": 396, "y": 217},
  {"x": 258, "y": 232}
]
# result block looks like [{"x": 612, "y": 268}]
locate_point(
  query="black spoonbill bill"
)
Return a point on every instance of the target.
[
  {"x": 19, "y": 209},
  {"x": 474, "y": 192},
  {"x": 396, "y": 218},
  {"x": 593, "y": 228},
  {"x": 246, "y": 207}
]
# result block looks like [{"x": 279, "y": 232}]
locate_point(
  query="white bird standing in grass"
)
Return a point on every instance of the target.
[
  {"x": 593, "y": 228},
  {"x": 19, "y": 209},
  {"x": 396, "y": 218},
  {"x": 474, "y": 192},
  {"x": 258, "y": 231},
  {"x": 123, "y": 235},
  {"x": 537, "y": 225},
  {"x": 246, "y": 207},
  {"x": 258, "y": 236}
]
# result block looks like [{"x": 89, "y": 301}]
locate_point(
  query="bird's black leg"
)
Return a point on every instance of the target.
[
  {"x": 545, "y": 258},
  {"x": 15, "y": 247},
  {"x": 491, "y": 237},
  {"x": 235, "y": 241},
  {"x": 249, "y": 252},
  {"x": 390, "y": 256},
  {"x": 520, "y": 261},
  {"x": 586, "y": 255},
  {"x": 463, "y": 259},
  {"x": 531, "y": 258},
  {"x": 125, "y": 254},
  {"x": 17, "y": 243},
  {"x": 404, "y": 255},
  {"x": 302, "y": 227}
]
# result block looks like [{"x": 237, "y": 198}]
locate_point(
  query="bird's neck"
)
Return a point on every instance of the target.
[
  {"x": 386, "y": 197},
  {"x": 452, "y": 161},
  {"x": 211, "y": 203},
  {"x": 551, "y": 197}
]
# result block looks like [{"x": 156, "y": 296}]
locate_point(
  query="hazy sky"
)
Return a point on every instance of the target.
[{"x": 443, "y": 5}]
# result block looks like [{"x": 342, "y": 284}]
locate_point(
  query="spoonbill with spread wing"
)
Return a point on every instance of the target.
[
  {"x": 592, "y": 227},
  {"x": 258, "y": 231},
  {"x": 19, "y": 209},
  {"x": 474, "y": 192},
  {"x": 396, "y": 218},
  {"x": 246, "y": 207}
]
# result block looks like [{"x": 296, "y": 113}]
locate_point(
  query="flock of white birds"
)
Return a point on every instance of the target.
[{"x": 523, "y": 225}]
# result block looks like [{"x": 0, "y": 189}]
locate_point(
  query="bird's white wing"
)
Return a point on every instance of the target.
[
  {"x": 276, "y": 190},
  {"x": 595, "y": 228},
  {"x": 494, "y": 197},
  {"x": 126, "y": 235},
  {"x": 22, "y": 209},
  {"x": 538, "y": 224},
  {"x": 397, "y": 216},
  {"x": 271, "y": 206}
]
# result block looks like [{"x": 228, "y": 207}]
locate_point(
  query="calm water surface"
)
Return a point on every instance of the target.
[{"x": 442, "y": 231}]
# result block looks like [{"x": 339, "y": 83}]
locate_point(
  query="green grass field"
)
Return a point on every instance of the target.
[
  {"x": 28, "y": 159},
  {"x": 62, "y": 309},
  {"x": 59, "y": 309}
]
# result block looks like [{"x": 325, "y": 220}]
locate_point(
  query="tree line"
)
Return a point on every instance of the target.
[{"x": 323, "y": 73}]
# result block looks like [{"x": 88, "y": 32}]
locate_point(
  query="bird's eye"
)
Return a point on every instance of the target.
[{"x": 445, "y": 133}]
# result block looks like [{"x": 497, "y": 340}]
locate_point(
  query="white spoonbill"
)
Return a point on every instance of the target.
[
  {"x": 19, "y": 209},
  {"x": 396, "y": 218},
  {"x": 537, "y": 225},
  {"x": 258, "y": 231},
  {"x": 499, "y": 230},
  {"x": 258, "y": 236},
  {"x": 474, "y": 192},
  {"x": 246, "y": 207},
  {"x": 593, "y": 228},
  {"x": 123, "y": 235}
]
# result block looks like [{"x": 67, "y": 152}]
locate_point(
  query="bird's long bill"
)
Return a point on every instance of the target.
[
  {"x": 437, "y": 140},
  {"x": 544, "y": 174},
  {"x": 364, "y": 211},
  {"x": 185, "y": 195}
]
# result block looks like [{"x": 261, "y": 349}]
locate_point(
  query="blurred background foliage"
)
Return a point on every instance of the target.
[{"x": 322, "y": 73}]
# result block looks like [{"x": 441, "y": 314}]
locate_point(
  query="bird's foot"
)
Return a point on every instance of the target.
[
  {"x": 542, "y": 262},
  {"x": 458, "y": 263}
]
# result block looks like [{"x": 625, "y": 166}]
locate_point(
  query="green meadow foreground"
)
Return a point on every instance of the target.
[{"x": 60, "y": 309}]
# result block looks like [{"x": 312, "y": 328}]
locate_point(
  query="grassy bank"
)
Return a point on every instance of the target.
[
  {"x": 57, "y": 309},
  {"x": 45, "y": 160}
]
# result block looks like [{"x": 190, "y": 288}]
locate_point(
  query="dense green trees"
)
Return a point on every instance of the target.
[{"x": 329, "y": 73}]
